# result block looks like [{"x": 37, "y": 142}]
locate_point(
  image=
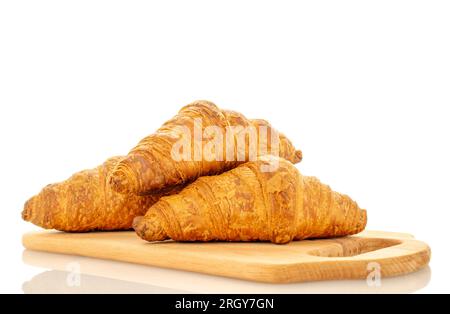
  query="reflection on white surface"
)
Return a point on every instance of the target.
[{"x": 74, "y": 274}]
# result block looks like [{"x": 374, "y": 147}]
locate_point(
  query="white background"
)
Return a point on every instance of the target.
[{"x": 362, "y": 87}]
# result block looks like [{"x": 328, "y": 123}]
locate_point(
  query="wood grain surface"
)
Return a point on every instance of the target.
[{"x": 310, "y": 260}]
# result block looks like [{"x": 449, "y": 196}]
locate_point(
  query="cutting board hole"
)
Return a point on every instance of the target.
[{"x": 352, "y": 246}]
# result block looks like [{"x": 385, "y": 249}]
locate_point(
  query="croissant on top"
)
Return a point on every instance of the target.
[
  {"x": 151, "y": 165},
  {"x": 250, "y": 204}
]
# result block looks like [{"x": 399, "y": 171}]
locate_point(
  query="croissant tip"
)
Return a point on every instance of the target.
[
  {"x": 139, "y": 227},
  {"x": 27, "y": 210},
  {"x": 298, "y": 156},
  {"x": 136, "y": 222},
  {"x": 362, "y": 220},
  {"x": 364, "y": 214}
]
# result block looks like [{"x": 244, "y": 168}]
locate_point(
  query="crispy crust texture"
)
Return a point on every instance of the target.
[
  {"x": 85, "y": 202},
  {"x": 248, "y": 204},
  {"x": 149, "y": 166}
]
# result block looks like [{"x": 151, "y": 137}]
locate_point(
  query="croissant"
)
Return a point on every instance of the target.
[
  {"x": 151, "y": 165},
  {"x": 248, "y": 204},
  {"x": 85, "y": 202}
]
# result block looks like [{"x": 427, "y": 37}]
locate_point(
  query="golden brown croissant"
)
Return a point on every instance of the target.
[
  {"x": 150, "y": 166},
  {"x": 248, "y": 204},
  {"x": 85, "y": 202}
]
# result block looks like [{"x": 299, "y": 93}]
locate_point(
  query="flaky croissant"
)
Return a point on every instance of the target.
[
  {"x": 248, "y": 204},
  {"x": 150, "y": 166},
  {"x": 85, "y": 202}
]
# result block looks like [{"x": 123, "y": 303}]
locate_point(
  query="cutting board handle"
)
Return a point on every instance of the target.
[{"x": 363, "y": 255}]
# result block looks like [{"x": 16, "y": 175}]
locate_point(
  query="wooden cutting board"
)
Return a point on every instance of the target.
[{"x": 352, "y": 257}]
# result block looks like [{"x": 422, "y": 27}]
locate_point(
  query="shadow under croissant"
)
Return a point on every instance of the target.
[{"x": 101, "y": 276}]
